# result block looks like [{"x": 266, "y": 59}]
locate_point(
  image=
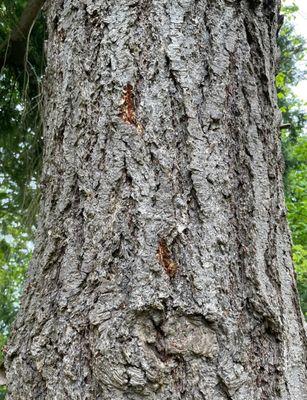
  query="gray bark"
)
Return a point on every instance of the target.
[{"x": 162, "y": 267}]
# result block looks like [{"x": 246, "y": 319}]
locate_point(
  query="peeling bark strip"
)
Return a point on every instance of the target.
[
  {"x": 128, "y": 108},
  {"x": 100, "y": 318},
  {"x": 164, "y": 257}
]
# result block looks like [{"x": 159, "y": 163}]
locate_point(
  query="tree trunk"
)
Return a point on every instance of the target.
[{"x": 162, "y": 267}]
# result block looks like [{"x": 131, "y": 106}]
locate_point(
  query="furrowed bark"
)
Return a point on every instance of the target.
[{"x": 162, "y": 267}]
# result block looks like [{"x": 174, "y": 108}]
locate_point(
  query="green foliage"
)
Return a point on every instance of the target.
[
  {"x": 20, "y": 135},
  {"x": 297, "y": 194},
  {"x": 20, "y": 153},
  {"x": 300, "y": 260},
  {"x": 15, "y": 253},
  {"x": 15, "y": 248},
  {"x": 292, "y": 52},
  {"x": 2, "y": 393},
  {"x": 294, "y": 144},
  {"x": 297, "y": 212}
]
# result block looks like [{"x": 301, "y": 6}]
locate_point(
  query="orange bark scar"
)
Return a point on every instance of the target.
[
  {"x": 164, "y": 257},
  {"x": 128, "y": 108}
]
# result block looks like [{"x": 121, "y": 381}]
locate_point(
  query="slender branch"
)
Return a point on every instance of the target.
[
  {"x": 285, "y": 126},
  {"x": 15, "y": 45}
]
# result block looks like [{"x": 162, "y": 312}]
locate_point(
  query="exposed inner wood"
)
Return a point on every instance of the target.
[
  {"x": 165, "y": 259},
  {"x": 128, "y": 108}
]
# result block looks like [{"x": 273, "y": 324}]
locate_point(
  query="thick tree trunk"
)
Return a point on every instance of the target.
[{"x": 162, "y": 267}]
